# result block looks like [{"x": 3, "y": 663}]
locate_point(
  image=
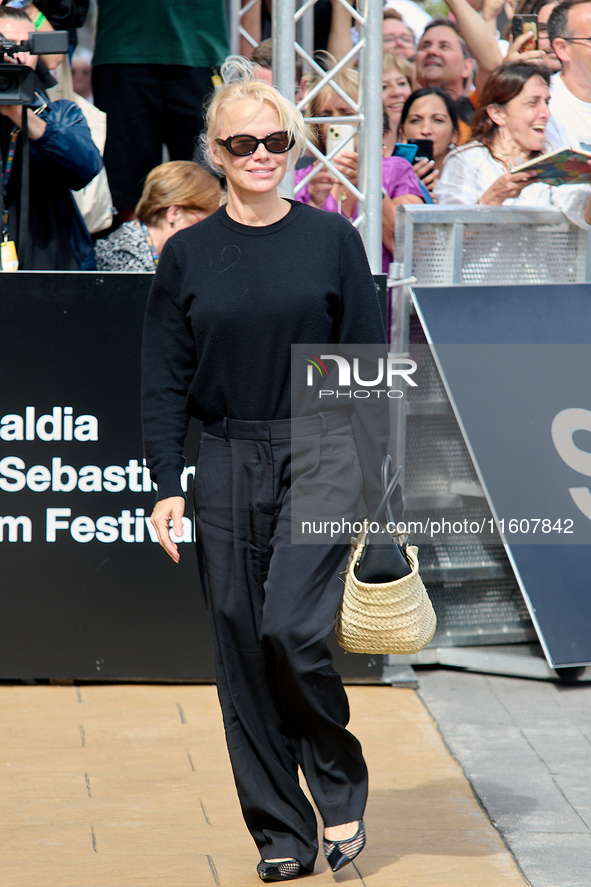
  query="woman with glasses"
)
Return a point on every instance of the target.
[
  {"x": 230, "y": 296},
  {"x": 397, "y": 37}
]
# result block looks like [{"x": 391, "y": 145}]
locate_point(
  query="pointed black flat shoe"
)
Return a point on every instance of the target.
[
  {"x": 286, "y": 870},
  {"x": 341, "y": 853}
]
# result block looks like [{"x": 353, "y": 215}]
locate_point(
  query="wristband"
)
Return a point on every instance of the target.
[{"x": 39, "y": 21}]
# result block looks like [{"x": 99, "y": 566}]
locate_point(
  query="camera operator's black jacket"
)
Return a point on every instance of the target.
[
  {"x": 65, "y": 158},
  {"x": 64, "y": 13}
]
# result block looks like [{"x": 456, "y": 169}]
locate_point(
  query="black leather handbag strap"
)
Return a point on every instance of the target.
[
  {"x": 388, "y": 487},
  {"x": 383, "y": 559}
]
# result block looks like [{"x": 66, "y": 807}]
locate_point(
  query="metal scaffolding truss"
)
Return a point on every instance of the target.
[
  {"x": 236, "y": 15},
  {"x": 293, "y": 34},
  {"x": 238, "y": 11}
]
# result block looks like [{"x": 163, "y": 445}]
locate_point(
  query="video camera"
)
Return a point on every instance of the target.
[{"x": 17, "y": 82}]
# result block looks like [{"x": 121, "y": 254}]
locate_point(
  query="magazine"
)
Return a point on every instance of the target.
[{"x": 561, "y": 167}]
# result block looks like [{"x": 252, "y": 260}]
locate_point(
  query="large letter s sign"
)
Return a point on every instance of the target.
[{"x": 564, "y": 426}]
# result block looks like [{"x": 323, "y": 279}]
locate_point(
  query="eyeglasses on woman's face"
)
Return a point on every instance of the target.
[
  {"x": 406, "y": 39},
  {"x": 243, "y": 145}
]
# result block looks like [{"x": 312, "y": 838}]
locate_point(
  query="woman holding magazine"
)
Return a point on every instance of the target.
[{"x": 509, "y": 129}]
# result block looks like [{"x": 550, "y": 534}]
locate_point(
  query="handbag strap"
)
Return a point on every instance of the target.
[
  {"x": 386, "y": 467},
  {"x": 388, "y": 487}
]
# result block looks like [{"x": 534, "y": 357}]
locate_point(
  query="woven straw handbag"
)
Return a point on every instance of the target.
[{"x": 394, "y": 614}]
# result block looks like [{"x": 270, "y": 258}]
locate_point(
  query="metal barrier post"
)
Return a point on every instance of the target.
[
  {"x": 284, "y": 60},
  {"x": 457, "y": 240},
  {"x": 585, "y": 250},
  {"x": 370, "y": 142},
  {"x": 305, "y": 29}
]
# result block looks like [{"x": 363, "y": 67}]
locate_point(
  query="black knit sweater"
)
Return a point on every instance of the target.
[{"x": 228, "y": 301}]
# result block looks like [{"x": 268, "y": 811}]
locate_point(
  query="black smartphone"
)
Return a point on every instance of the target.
[
  {"x": 521, "y": 24},
  {"x": 424, "y": 148}
]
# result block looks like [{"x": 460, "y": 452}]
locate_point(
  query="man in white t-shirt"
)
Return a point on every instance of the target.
[{"x": 569, "y": 32}]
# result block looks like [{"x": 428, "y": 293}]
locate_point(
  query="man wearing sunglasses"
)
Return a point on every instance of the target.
[{"x": 569, "y": 33}]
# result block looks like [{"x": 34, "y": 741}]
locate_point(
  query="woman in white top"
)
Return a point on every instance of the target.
[{"x": 508, "y": 129}]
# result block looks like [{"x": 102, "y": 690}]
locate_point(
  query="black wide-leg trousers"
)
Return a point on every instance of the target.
[{"x": 272, "y": 606}]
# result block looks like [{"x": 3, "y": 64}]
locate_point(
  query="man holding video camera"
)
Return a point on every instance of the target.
[{"x": 62, "y": 157}]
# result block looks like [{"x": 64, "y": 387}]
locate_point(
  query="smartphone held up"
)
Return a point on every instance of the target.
[
  {"x": 341, "y": 135},
  {"x": 522, "y": 24}
]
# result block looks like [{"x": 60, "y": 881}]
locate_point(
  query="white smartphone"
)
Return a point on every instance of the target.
[{"x": 340, "y": 134}]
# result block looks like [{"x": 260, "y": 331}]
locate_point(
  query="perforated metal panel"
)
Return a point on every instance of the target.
[
  {"x": 432, "y": 255},
  {"x": 529, "y": 254},
  {"x": 489, "y": 245},
  {"x": 464, "y": 551},
  {"x": 468, "y": 575},
  {"x": 436, "y": 455},
  {"x": 429, "y": 385},
  {"x": 479, "y": 612},
  {"x": 467, "y": 572}
]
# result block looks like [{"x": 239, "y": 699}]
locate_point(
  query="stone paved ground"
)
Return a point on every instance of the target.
[
  {"x": 525, "y": 746},
  {"x": 115, "y": 785}
]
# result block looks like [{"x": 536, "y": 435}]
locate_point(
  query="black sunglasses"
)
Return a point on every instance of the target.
[{"x": 242, "y": 146}]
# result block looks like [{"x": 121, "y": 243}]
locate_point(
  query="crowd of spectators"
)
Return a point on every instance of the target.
[
  {"x": 399, "y": 183},
  {"x": 150, "y": 75},
  {"x": 482, "y": 101},
  {"x": 486, "y": 105}
]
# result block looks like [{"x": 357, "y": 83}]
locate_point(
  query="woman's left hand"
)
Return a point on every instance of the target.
[{"x": 348, "y": 163}]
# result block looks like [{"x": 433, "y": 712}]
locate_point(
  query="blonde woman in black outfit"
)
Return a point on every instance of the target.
[{"x": 230, "y": 297}]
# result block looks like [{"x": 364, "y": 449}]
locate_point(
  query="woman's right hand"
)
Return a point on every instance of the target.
[
  {"x": 426, "y": 172},
  {"x": 347, "y": 162},
  {"x": 164, "y": 511},
  {"x": 507, "y": 186}
]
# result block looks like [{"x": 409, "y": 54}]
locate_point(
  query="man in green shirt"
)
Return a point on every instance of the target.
[{"x": 151, "y": 71}]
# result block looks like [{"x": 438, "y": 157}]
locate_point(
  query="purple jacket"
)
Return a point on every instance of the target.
[{"x": 398, "y": 178}]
